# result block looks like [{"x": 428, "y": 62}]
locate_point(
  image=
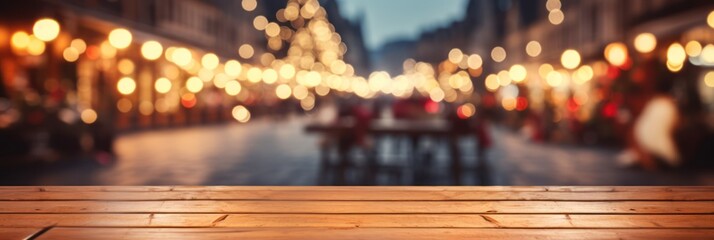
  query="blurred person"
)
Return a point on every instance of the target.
[{"x": 651, "y": 137}]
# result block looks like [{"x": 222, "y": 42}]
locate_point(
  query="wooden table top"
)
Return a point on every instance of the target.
[{"x": 221, "y": 212}]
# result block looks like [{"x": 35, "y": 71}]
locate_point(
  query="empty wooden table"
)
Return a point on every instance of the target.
[{"x": 182, "y": 212}]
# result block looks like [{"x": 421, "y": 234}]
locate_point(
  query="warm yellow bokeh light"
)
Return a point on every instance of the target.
[
  {"x": 467, "y": 110},
  {"x": 475, "y": 61},
  {"x": 616, "y": 54},
  {"x": 88, "y": 116},
  {"x": 107, "y": 51},
  {"x": 36, "y": 46},
  {"x": 233, "y": 68},
  {"x": 556, "y": 17},
  {"x": 517, "y": 73},
  {"x": 673, "y": 67},
  {"x": 151, "y": 50},
  {"x": 260, "y": 22},
  {"x": 283, "y": 91},
  {"x": 241, "y": 114},
  {"x": 46, "y": 29},
  {"x": 498, "y": 54},
  {"x": 676, "y": 54},
  {"x": 544, "y": 69},
  {"x": 707, "y": 55},
  {"x": 710, "y": 19},
  {"x": 120, "y": 38},
  {"x": 194, "y": 84},
  {"x": 210, "y": 61},
  {"x": 124, "y": 105},
  {"x": 693, "y": 48},
  {"x": 509, "y": 104},
  {"x": 233, "y": 88},
  {"x": 570, "y": 59},
  {"x": 287, "y": 71},
  {"x": 455, "y": 56},
  {"x": 79, "y": 45},
  {"x": 272, "y": 29},
  {"x": 709, "y": 79},
  {"x": 162, "y": 85},
  {"x": 20, "y": 40},
  {"x": 553, "y": 5},
  {"x": 70, "y": 54},
  {"x": 645, "y": 42},
  {"x": 126, "y": 66},
  {"x": 504, "y": 78},
  {"x": 338, "y": 67},
  {"x": 181, "y": 56},
  {"x": 254, "y": 74},
  {"x": 270, "y": 76},
  {"x": 554, "y": 79},
  {"x": 126, "y": 85},
  {"x": 533, "y": 48},
  {"x": 585, "y": 73},
  {"x": 246, "y": 51},
  {"x": 249, "y": 5}
]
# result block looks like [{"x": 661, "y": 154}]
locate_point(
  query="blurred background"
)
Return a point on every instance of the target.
[{"x": 357, "y": 92}]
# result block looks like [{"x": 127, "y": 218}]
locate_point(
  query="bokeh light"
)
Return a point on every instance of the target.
[
  {"x": 241, "y": 114},
  {"x": 570, "y": 59},
  {"x": 709, "y": 79},
  {"x": 533, "y": 48},
  {"x": 181, "y": 56},
  {"x": 283, "y": 91},
  {"x": 151, "y": 50},
  {"x": 120, "y": 38},
  {"x": 126, "y": 85},
  {"x": 246, "y": 51},
  {"x": 194, "y": 84},
  {"x": 498, "y": 54},
  {"x": 46, "y": 29},
  {"x": 616, "y": 54},
  {"x": 210, "y": 61},
  {"x": 70, "y": 54},
  {"x": 693, "y": 48},
  {"x": 233, "y": 68},
  {"x": 88, "y": 116},
  {"x": 556, "y": 17},
  {"x": 20, "y": 40},
  {"x": 249, "y": 5},
  {"x": 163, "y": 85},
  {"x": 126, "y": 66},
  {"x": 518, "y": 73},
  {"x": 455, "y": 56},
  {"x": 475, "y": 61},
  {"x": 79, "y": 45},
  {"x": 645, "y": 42}
]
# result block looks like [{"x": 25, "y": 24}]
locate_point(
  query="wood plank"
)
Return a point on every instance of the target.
[
  {"x": 361, "y": 188},
  {"x": 386, "y": 195},
  {"x": 17, "y": 233},
  {"x": 370, "y": 233},
  {"x": 621, "y": 207},
  {"x": 360, "y": 220}
]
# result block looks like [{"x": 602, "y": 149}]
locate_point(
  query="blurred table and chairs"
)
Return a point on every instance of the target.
[{"x": 403, "y": 148}]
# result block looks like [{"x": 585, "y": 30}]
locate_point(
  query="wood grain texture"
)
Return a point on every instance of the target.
[
  {"x": 371, "y": 233},
  {"x": 360, "y": 220},
  {"x": 220, "y": 212},
  {"x": 17, "y": 233},
  {"x": 204, "y": 206}
]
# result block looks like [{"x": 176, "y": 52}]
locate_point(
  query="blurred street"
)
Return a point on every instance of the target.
[
  {"x": 278, "y": 152},
  {"x": 352, "y": 92}
]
